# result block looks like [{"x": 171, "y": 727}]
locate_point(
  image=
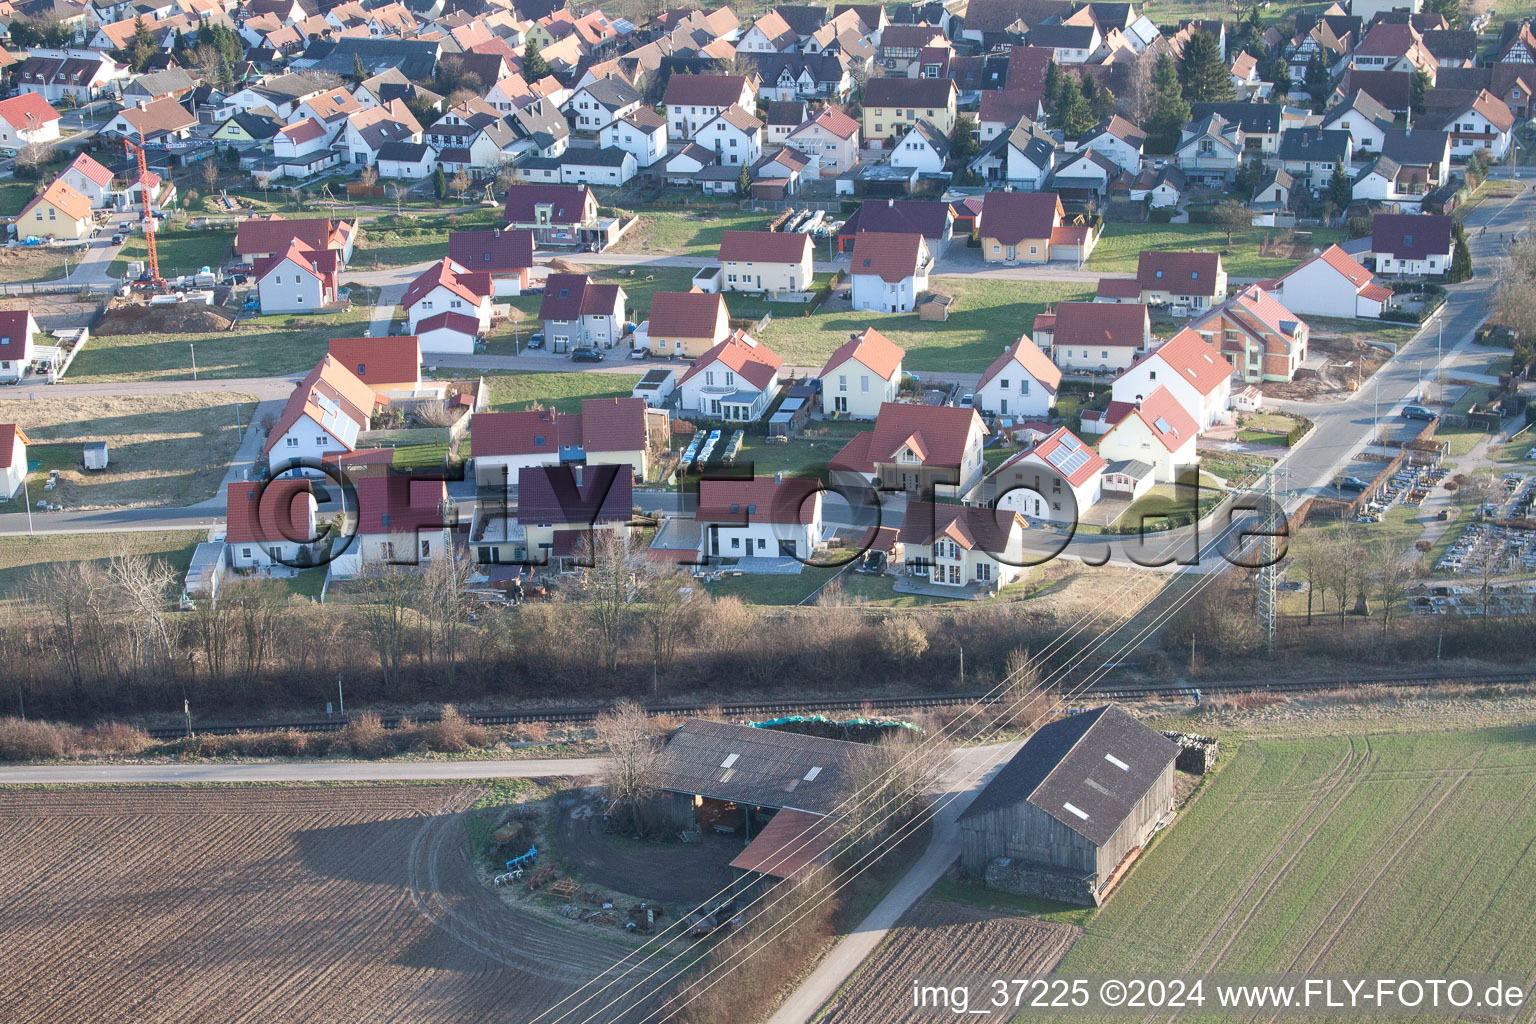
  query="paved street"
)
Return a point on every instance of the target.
[{"x": 318, "y": 771}]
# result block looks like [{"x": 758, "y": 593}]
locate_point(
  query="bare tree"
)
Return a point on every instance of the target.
[
  {"x": 670, "y": 613},
  {"x": 1137, "y": 97},
  {"x": 210, "y": 172},
  {"x": 321, "y": 80},
  {"x": 368, "y": 176},
  {"x": 256, "y": 608},
  {"x": 891, "y": 781},
  {"x": 1312, "y": 561},
  {"x": 1394, "y": 567},
  {"x": 608, "y": 592},
  {"x": 142, "y": 583},
  {"x": 903, "y": 638},
  {"x": 1232, "y": 218},
  {"x": 459, "y": 183},
  {"x": 442, "y": 607},
  {"x": 386, "y": 595},
  {"x": 633, "y": 741},
  {"x": 34, "y": 155}
]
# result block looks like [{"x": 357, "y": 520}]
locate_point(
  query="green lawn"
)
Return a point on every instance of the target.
[
  {"x": 1461, "y": 440},
  {"x": 562, "y": 391},
  {"x": 640, "y": 283},
  {"x": 1514, "y": 451},
  {"x": 1031, "y": 906},
  {"x": 988, "y": 316},
  {"x": 779, "y": 590},
  {"x": 804, "y": 456},
  {"x": 20, "y": 555},
  {"x": 264, "y": 347},
  {"x": 415, "y": 237},
  {"x": 688, "y": 233},
  {"x": 1234, "y": 467},
  {"x": 1392, "y": 854},
  {"x": 14, "y": 195},
  {"x": 1120, "y": 245},
  {"x": 180, "y": 251}
]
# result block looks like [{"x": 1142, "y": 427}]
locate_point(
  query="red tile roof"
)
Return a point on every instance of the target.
[
  {"x": 893, "y": 257},
  {"x": 64, "y": 199},
  {"x": 335, "y": 383},
  {"x": 1011, "y": 217},
  {"x": 1169, "y": 423},
  {"x": 27, "y": 111},
  {"x": 446, "y": 274},
  {"x": 550, "y": 494},
  {"x": 613, "y": 424},
  {"x": 937, "y": 434},
  {"x": 703, "y": 90},
  {"x": 765, "y": 247},
  {"x": 1026, "y": 355},
  {"x": 1119, "y": 288},
  {"x": 872, "y": 349},
  {"x": 16, "y": 326},
  {"x": 303, "y": 131},
  {"x": 163, "y": 115},
  {"x": 790, "y": 842},
  {"x": 1064, "y": 441},
  {"x": 834, "y": 121},
  {"x": 1179, "y": 273},
  {"x": 1195, "y": 360},
  {"x": 272, "y": 234},
  {"x": 974, "y": 529},
  {"x": 90, "y": 168},
  {"x": 751, "y": 361},
  {"x": 687, "y": 314},
  {"x": 497, "y": 251},
  {"x": 400, "y": 505},
  {"x": 525, "y": 432},
  {"x": 1410, "y": 236},
  {"x": 451, "y": 320},
  {"x": 570, "y": 296},
  {"x": 274, "y": 513},
  {"x": 1120, "y": 324},
  {"x": 9, "y": 432},
  {"x": 380, "y": 360},
  {"x": 759, "y": 500}
]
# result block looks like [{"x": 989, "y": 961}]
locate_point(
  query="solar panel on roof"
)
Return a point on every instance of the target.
[
  {"x": 1161, "y": 425},
  {"x": 1068, "y": 462}
]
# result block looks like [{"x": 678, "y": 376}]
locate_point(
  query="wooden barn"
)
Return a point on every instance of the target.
[{"x": 1066, "y": 816}]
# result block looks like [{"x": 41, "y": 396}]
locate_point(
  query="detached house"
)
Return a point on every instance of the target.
[
  {"x": 734, "y": 136},
  {"x": 734, "y": 381},
  {"x": 1412, "y": 245},
  {"x": 269, "y": 524},
  {"x": 917, "y": 449},
  {"x": 328, "y": 409},
  {"x": 554, "y": 213},
  {"x": 449, "y": 287},
  {"x": 1312, "y": 154},
  {"x": 401, "y": 520},
  {"x": 1118, "y": 139},
  {"x": 1098, "y": 337},
  {"x": 60, "y": 212},
  {"x": 1056, "y": 479},
  {"x": 861, "y": 376},
  {"x": 1157, "y": 432},
  {"x": 578, "y": 313},
  {"x": 156, "y": 121},
  {"x": 27, "y": 119},
  {"x": 762, "y": 517},
  {"x": 685, "y": 324},
  {"x": 963, "y": 546},
  {"x": 298, "y": 280},
  {"x": 13, "y": 459},
  {"x": 1333, "y": 283},
  {"x": 1260, "y": 337},
  {"x": 1022, "y": 382},
  {"x": 16, "y": 329},
  {"x": 599, "y": 104},
  {"x": 607, "y": 432},
  {"x": 889, "y": 271},
  {"x": 642, "y": 133},
  {"x": 507, "y": 255},
  {"x": 1197, "y": 375},
  {"x": 390, "y": 366},
  {"x": 893, "y": 105},
  {"x": 1482, "y": 122},
  {"x": 1195, "y": 280},
  {"x": 692, "y": 101},
  {"x": 268, "y": 236},
  {"x": 766, "y": 261},
  {"x": 1210, "y": 150},
  {"x": 90, "y": 179},
  {"x": 1028, "y": 227}
]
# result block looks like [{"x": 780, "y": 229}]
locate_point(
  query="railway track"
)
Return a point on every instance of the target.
[{"x": 882, "y": 704}]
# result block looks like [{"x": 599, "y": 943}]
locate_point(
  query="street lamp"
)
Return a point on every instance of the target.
[
  {"x": 26, "y": 496},
  {"x": 193, "y": 347}
]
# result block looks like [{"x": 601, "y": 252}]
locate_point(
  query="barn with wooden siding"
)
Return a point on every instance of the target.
[{"x": 1066, "y": 816}]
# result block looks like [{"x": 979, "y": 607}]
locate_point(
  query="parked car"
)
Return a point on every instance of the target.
[
  {"x": 967, "y": 401},
  {"x": 1417, "y": 412},
  {"x": 638, "y": 353},
  {"x": 536, "y": 341},
  {"x": 117, "y": 239},
  {"x": 1352, "y": 483},
  {"x": 586, "y": 355}
]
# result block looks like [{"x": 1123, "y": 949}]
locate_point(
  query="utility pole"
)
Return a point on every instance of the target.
[
  {"x": 26, "y": 497},
  {"x": 341, "y": 700},
  {"x": 186, "y": 709},
  {"x": 962, "y": 668},
  {"x": 194, "y": 359},
  {"x": 1269, "y": 572}
]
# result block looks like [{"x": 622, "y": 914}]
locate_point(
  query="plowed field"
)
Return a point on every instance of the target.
[
  {"x": 264, "y": 905},
  {"x": 936, "y": 939}
]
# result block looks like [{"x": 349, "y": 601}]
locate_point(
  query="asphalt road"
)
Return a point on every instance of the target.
[{"x": 319, "y": 771}]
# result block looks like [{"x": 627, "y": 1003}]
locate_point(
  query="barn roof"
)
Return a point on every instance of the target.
[
  {"x": 1088, "y": 771},
  {"x": 761, "y": 767}
]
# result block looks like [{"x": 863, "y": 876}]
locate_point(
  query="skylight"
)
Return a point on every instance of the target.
[
  {"x": 1072, "y": 808},
  {"x": 810, "y": 776},
  {"x": 1112, "y": 759},
  {"x": 730, "y": 759}
]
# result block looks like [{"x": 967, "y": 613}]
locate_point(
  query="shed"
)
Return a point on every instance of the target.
[
  {"x": 934, "y": 306},
  {"x": 1068, "y": 813},
  {"x": 655, "y": 387},
  {"x": 790, "y": 419},
  {"x": 95, "y": 455},
  {"x": 206, "y": 570}
]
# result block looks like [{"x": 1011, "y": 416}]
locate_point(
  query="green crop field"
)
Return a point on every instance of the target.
[{"x": 1382, "y": 855}]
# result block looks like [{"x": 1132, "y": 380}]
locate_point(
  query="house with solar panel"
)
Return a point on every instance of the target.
[
  {"x": 1056, "y": 479},
  {"x": 1067, "y": 816}
]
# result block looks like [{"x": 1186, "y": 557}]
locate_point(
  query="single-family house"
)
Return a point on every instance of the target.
[
  {"x": 1056, "y": 479},
  {"x": 1029, "y": 227},
  {"x": 889, "y": 271},
  {"x": 1192, "y": 369},
  {"x": 963, "y": 546},
  {"x": 685, "y": 325},
  {"x": 893, "y": 105},
  {"x": 1022, "y": 158},
  {"x": 16, "y": 329},
  {"x": 762, "y": 517},
  {"x": 297, "y": 280},
  {"x": 1333, "y": 283},
  {"x": 917, "y": 449},
  {"x": 269, "y": 524},
  {"x": 1210, "y": 150},
  {"x": 401, "y": 520},
  {"x": 90, "y": 179},
  {"x": 13, "y": 459},
  {"x": 861, "y": 376},
  {"x": 692, "y": 101},
  {"x": 58, "y": 212},
  {"x": 1366, "y": 121},
  {"x": 923, "y": 147},
  {"x": 1021, "y": 382},
  {"x": 1094, "y": 336},
  {"x": 588, "y": 166},
  {"x": 554, "y": 213},
  {"x": 579, "y": 313},
  {"x": 1481, "y": 122},
  {"x": 1118, "y": 139},
  {"x": 562, "y": 511},
  {"x": 1193, "y": 280},
  {"x": 390, "y": 366},
  {"x": 598, "y": 104},
  {"x": 1312, "y": 154},
  {"x": 448, "y": 286},
  {"x": 734, "y": 381},
  {"x": 27, "y": 119},
  {"x": 159, "y": 120},
  {"x": 734, "y": 135},
  {"x": 607, "y": 431},
  {"x": 766, "y": 261},
  {"x": 267, "y": 236},
  {"x": 506, "y": 254},
  {"x": 325, "y": 413},
  {"x": 1159, "y": 187},
  {"x": 1261, "y": 338},
  {"x": 1158, "y": 432},
  {"x": 642, "y": 133},
  {"x": 1072, "y": 44},
  {"x": 933, "y": 219},
  {"x": 1412, "y": 245}
]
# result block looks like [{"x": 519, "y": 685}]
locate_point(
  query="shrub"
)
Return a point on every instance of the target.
[
  {"x": 24, "y": 740},
  {"x": 117, "y": 738},
  {"x": 367, "y": 736},
  {"x": 452, "y": 733}
]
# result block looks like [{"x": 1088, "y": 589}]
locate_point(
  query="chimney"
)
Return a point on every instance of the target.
[
  {"x": 577, "y": 470},
  {"x": 496, "y": 232},
  {"x": 778, "y": 477},
  {"x": 141, "y": 104}
]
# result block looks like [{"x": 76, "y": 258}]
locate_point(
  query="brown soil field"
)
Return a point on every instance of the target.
[
  {"x": 965, "y": 940},
  {"x": 182, "y": 318},
  {"x": 265, "y": 904}
]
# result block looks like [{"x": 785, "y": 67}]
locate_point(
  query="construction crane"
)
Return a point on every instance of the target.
[{"x": 153, "y": 277}]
